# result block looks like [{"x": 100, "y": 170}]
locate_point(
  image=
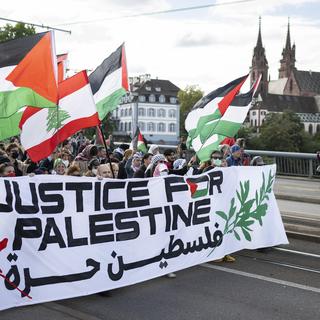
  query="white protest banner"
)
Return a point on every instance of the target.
[{"x": 62, "y": 237}]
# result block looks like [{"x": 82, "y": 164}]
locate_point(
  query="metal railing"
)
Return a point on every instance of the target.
[{"x": 288, "y": 163}]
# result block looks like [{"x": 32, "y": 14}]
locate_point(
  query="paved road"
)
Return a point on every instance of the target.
[
  {"x": 298, "y": 187},
  {"x": 280, "y": 284}
]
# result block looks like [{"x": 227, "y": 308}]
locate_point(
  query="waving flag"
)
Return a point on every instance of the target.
[
  {"x": 109, "y": 82},
  {"x": 28, "y": 73},
  {"x": 43, "y": 129},
  {"x": 218, "y": 115},
  {"x": 138, "y": 142}
]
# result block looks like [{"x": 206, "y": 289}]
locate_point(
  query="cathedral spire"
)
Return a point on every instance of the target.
[
  {"x": 259, "y": 65},
  {"x": 288, "y": 41},
  {"x": 287, "y": 63},
  {"x": 259, "y": 40}
]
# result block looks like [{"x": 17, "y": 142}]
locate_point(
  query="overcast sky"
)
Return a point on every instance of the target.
[{"x": 206, "y": 47}]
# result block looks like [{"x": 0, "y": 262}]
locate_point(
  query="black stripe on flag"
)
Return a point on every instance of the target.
[
  {"x": 220, "y": 92},
  {"x": 244, "y": 99},
  {"x": 109, "y": 65},
  {"x": 13, "y": 51}
]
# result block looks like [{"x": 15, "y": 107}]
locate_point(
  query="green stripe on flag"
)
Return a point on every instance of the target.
[
  {"x": 227, "y": 128},
  {"x": 9, "y": 127},
  {"x": 12, "y": 101},
  {"x": 109, "y": 103},
  {"x": 204, "y": 154}
]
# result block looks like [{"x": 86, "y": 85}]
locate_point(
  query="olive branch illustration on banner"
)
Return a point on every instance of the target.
[{"x": 249, "y": 212}]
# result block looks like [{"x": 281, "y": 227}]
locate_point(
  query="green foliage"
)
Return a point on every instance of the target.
[
  {"x": 251, "y": 210},
  {"x": 187, "y": 98},
  {"x": 10, "y": 32},
  {"x": 55, "y": 118},
  {"x": 282, "y": 132}
]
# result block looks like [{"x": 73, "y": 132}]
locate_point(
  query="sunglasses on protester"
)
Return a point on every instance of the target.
[{"x": 216, "y": 157}]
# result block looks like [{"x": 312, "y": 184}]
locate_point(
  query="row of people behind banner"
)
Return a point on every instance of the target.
[{"x": 78, "y": 156}]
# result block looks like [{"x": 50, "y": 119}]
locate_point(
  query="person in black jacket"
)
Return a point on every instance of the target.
[{"x": 146, "y": 160}]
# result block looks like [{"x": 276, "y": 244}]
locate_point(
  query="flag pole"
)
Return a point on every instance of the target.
[{"x": 105, "y": 146}]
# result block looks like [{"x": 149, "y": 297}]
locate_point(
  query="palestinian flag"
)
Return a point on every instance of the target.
[
  {"x": 137, "y": 142},
  {"x": 109, "y": 82},
  {"x": 218, "y": 115},
  {"x": 43, "y": 129},
  {"x": 28, "y": 73},
  {"x": 198, "y": 186}
]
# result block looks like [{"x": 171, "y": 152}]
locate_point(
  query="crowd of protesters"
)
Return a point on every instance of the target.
[{"x": 78, "y": 156}]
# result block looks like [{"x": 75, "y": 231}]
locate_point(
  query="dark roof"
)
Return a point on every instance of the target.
[
  {"x": 166, "y": 86},
  {"x": 280, "y": 103},
  {"x": 308, "y": 80}
]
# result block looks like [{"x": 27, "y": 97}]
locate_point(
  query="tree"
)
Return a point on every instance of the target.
[
  {"x": 187, "y": 98},
  {"x": 283, "y": 132},
  {"x": 10, "y": 32}
]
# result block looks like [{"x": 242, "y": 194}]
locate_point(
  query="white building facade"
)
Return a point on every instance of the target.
[{"x": 153, "y": 106}]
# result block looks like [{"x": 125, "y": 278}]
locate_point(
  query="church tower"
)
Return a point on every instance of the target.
[
  {"x": 260, "y": 65},
  {"x": 287, "y": 63}
]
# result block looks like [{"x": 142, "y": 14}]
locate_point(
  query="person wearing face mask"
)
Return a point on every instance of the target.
[
  {"x": 215, "y": 161},
  {"x": 13, "y": 153},
  {"x": 92, "y": 168},
  {"x": 161, "y": 170}
]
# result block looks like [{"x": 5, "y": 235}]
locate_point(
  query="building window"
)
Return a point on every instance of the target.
[
  {"x": 158, "y": 89},
  {"x": 125, "y": 127},
  {"x": 151, "y": 112},
  {"x": 129, "y": 126},
  {"x": 125, "y": 112},
  {"x": 253, "y": 113},
  {"x": 161, "y": 127},
  {"x": 141, "y": 112},
  {"x": 142, "y": 98},
  {"x": 255, "y": 122},
  {"x": 318, "y": 128},
  {"x": 121, "y": 126},
  {"x": 121, "y": 113},
  {"x": 251, "y": 122},
  {"x": 172, "y": 127},
  {"x": 172, "y": 113},
  {"x": 161, "y": 113},
  {"x": 148, "y": 88},
  {"x": 150, "y": 126},
  {"x": 130, "y": 112},
  {"x": 162, "y": 99},
  {"x": 141, "y": 126},
  {"x": 152, "y": 98},
  {"x": 310, "y": 129},
  {"x": 173, "y": 100}
]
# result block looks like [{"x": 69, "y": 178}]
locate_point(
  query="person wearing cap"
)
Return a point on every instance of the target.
[
  {"x": 235, "y": 158},
  {"x": 257, "y": 161}
]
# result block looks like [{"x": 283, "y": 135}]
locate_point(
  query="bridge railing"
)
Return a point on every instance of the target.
[{"x": 288, "y": 163}]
